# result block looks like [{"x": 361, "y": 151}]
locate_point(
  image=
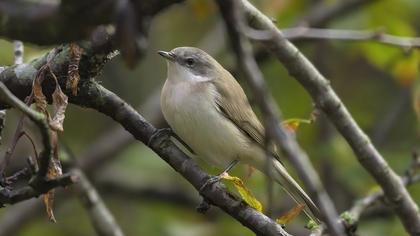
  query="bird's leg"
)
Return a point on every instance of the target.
[{"x": 217, "y": 178}]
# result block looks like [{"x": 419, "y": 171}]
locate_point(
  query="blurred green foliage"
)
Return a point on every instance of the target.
[{"x": 369, "y": 77}]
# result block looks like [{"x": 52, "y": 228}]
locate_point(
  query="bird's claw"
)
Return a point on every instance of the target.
[
  {"x": 210, "y": 181},
  {"x": 159, "y": 133}
]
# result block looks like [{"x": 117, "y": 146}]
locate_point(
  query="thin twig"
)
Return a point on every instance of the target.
[
  {"x": 38, "y": 118},
  {"x": 39, "y": 184},
  {"x": 32, "y": 143},
  {"x": 25, "y": 172},
  {"x": 19, "y": 129},
  {"x": 102, "y": 219},
  {"x": 327, "y": 100},
  {"x": 351, "y": 35},
  {"x": 363, "y": 204},
  {"x": 18, "y": 59},
  {"x": 271, "y": 115},
  {"x": 35, "y": 189}
]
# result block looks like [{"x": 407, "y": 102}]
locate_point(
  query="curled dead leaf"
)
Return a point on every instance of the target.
[
  {"x": 38, "y": 96},
  {"x": 55, "y": 123},
  {"x": 54, "y": 171},
  {"x": 60, "y": 102}
]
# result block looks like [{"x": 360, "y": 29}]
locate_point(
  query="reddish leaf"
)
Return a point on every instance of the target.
[{"x": 290, "y": 215}]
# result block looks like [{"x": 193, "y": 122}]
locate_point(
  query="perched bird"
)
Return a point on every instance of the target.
[{"x": 207, "y": 108}]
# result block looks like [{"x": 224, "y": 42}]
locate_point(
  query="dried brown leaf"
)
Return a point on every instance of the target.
[
  {"x": 39, "y": 97},
  {"x": 55, "y": 123},
  {"x": 290, "y": 215},
  {"x": 48, "y": 199},
  {"x": 73, "y": 69},
  {"x": 60, "y": 102},
  {"x": 54, "y": 171}
]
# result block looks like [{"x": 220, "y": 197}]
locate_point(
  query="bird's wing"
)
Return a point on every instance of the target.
[{"x": 234, "y": 105}]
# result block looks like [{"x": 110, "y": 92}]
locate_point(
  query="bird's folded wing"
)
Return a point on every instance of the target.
[{"x": 234, "y": 105}]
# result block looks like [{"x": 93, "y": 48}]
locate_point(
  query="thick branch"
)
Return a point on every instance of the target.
[
  {"x": 93, "y": 95},
  {"x": 326, "y": 99},
  {"x": 67, "y": 20}
]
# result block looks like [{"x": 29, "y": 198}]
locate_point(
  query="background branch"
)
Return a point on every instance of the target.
[
  {"x": 282, "y": 138},
  {"x": 327, "y": 100},
  {"x": 351, "y": 35},
  {"x": 27, "y": 20},
  {"x": 320, "y": 15},
  {"x": 102, "y": 219}
]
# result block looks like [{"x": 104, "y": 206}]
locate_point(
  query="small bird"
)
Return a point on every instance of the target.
[{"x": 207, "y": 108}]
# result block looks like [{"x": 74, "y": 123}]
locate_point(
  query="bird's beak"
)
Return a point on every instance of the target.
[{"x": 167, "y": 55}]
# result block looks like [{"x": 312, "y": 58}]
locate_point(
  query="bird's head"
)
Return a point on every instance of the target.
[{"x": 189, "y": 63}]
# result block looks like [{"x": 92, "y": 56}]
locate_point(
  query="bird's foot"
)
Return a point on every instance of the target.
[
  {"x": 205, "y": 205},
  {"x": 164, "y": 132},
  {"x": 214, "y": 179},
  {"x": 210, "y": 181}
]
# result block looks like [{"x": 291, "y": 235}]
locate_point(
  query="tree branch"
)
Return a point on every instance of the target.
[
  {"x": 39, "y": 183},
  {"x": 327, "y": 100},
  {"x": 351, "y": 35},
  {"x": 361, "y": 205},
  {"x": 92, "y": 95},
  {"x": 102, "y": 219},
  {"x": 41, "y": 122},
  {"x": 34, "y": 189},
  {"x": 282, "y": 138},
  {"x": 67, "y": 20}
]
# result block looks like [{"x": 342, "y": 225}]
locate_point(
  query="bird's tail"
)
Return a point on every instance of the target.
[{"x": 280, "y": 175}]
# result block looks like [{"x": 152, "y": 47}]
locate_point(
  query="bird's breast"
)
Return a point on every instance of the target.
[{"x": 191, "y": 112}]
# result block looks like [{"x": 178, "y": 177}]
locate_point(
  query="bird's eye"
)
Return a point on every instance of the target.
[{"x": 190, "y": 61}]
